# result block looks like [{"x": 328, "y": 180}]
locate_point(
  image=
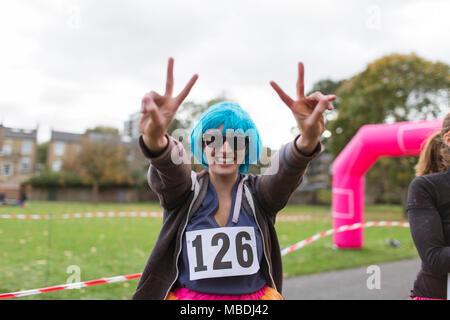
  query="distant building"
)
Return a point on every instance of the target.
[
  {"x": 104, "y": 137},
  {"x": 131, "y": 126},
  {"x": 131, "y": 133},
  {"x": 18, "y": 154},
  {"x": 63, "y": 146}
]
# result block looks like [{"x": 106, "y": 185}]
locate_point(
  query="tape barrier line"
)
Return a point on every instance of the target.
[
  {"x": 318, "y": 236},
  {"x": 83, "y": 215},
  {"x": 24, "y": 216},
  {"x": 111, "y": 214},
  {"x": 69, "y": 286},
  {"x": 285, "y": 251}
]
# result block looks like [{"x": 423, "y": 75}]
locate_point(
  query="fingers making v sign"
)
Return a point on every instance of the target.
[
  {"x": 307, "y": 110},
  {"x": 158, "y": 111}
]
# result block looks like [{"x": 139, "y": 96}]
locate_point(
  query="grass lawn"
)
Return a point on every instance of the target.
[{"x": 37, "y": 253}]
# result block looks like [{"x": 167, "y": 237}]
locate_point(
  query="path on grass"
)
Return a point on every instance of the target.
[{"x": 397, "y": 279}]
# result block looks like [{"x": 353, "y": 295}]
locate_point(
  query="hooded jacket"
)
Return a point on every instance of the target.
[{"x": 181, "y": 192}]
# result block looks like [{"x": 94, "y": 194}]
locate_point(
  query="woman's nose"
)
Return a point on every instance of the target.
[{"x": 226, "y": 148}]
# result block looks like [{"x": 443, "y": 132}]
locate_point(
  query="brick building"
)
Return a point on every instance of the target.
[
  {"x": 63, "y": 146},
  {"x": 18, "y": 154}
]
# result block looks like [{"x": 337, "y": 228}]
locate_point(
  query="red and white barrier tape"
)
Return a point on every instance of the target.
[
  {"x": 69, "y": 286},
  {"x": 315, "y": 237},
  {"x": 285, "y": 251},
  {"x": 116, "y": 214},
  {"x": 83, "y": 215}
]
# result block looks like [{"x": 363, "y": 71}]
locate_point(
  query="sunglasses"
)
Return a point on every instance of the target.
[{"x": 235, "y": 141}]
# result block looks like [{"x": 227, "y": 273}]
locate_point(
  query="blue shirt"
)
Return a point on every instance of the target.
[{"x": 203, "y": 218}]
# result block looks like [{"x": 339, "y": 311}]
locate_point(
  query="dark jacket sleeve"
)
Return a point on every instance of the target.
[
  {"x": 426, "y": 227},
  {"x": 282, "y": 178},
  {"x": 169, "y": 174}
]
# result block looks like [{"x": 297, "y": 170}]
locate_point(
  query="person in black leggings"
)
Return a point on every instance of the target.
[{"x": 428, "y": 208}]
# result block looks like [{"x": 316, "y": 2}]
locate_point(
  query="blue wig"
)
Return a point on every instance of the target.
[{"x": 233, "y": 117}]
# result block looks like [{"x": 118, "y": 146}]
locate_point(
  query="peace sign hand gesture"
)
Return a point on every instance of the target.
[
  {"x": 308, "y": 111},
  {"x": 158, "y": 111}
]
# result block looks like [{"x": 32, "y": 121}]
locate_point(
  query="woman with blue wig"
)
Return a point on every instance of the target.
[{"x": 218, "y": 239}]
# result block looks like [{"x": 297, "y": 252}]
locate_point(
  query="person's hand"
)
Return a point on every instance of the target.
[
  {"x": 308, "y": 111},
  {"x": 158, "y": 111}
]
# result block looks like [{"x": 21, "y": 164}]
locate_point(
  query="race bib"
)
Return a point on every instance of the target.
[{"x": 221, "y": 252}]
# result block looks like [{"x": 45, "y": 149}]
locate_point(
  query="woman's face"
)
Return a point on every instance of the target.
[{"x": 221, "y": 157}]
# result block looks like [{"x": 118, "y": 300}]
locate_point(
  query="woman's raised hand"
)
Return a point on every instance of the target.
[
  {"x": 158, "y": 111},
  {"x": 307, "y": 110}
]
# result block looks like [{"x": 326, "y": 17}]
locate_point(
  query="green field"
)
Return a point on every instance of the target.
[{"x": 37, "y": 253}]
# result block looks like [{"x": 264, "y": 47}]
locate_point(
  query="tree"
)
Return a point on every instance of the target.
[
  {"x": 104, "y": 129},
  {"x": 102, "y": 162},
  {"x": 328, "y": 86},
  {"x": 318, "y": 169},
  {"x": 391, "y": 89},
  {"x": 42, "y": 154}
]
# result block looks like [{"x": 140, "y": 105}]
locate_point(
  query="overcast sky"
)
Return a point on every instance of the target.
[{"x": 71, "y": 64}]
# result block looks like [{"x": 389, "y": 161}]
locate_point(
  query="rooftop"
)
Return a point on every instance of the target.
[
  {"x": 65, "y": 136},
  {"x": 20, "y": 133}
]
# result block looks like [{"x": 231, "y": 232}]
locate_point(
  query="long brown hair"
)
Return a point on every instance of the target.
[
  {"x": 445, "y": 151},
  {"x": 435, "y": 156}
]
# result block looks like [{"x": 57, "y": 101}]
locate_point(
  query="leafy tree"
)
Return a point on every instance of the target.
[
  {"x": 391, "y": 89},
  {"x": 104, "y": 129},
  {"x": 42, "y": 154},
  {"x": 318, "y": 169},
  {"x": 59, "y": 179},
  {"x": 327, "y": 86},
  {"x": 102, "y": 162}
]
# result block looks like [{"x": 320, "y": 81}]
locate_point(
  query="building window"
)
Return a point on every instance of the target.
[
  {"x": 27, "y": 147},
  {"x": 59, "y": 148},
  {"x": 25, "y": 165},
  {"x": 57, "y": 164},
  {"x": 7, "y": 169},
  {"x": 6, "y": 151}
]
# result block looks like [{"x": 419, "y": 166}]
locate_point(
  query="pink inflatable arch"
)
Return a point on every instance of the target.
[{"x": 369, "y": 143}]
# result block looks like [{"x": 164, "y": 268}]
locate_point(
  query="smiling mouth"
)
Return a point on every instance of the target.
[{"x": 227, "y": 160}]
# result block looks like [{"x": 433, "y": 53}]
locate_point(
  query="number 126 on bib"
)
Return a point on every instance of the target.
[{"x": 221, "y": 252}]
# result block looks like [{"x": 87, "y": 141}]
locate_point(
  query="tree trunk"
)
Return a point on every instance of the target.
[
  {"x": 314, "y": 197},
  {"x": 95, "y": 187}
]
